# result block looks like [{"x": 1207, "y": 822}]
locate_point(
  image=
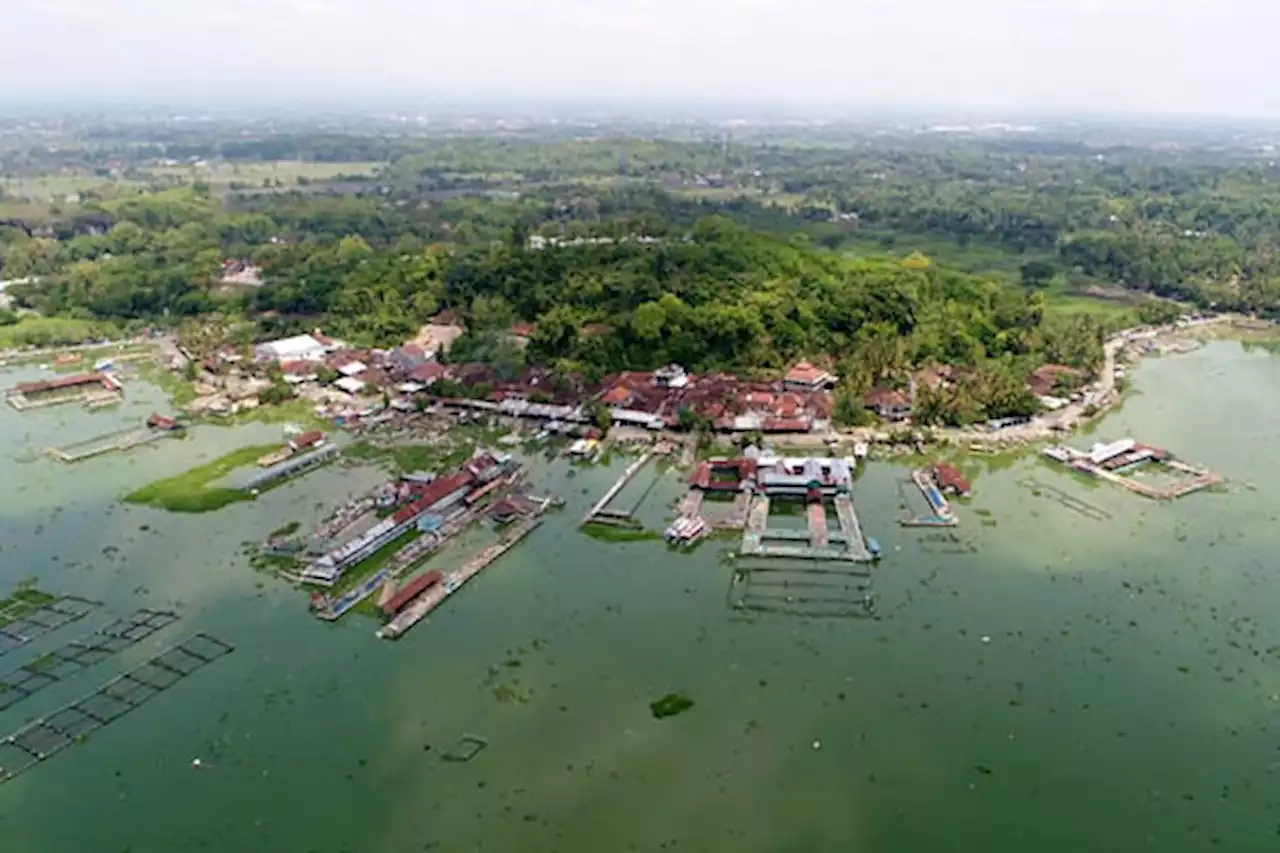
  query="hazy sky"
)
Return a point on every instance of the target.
[{"x": 1150, "y": 56}]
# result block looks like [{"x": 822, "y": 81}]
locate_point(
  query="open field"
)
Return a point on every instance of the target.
[
  {"x": 56, "y": 187},
  {"x": 223, "y": 177}
]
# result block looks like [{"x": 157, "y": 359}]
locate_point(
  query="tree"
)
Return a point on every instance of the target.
[
  {"x": 278, "y": 392},
  {"x": 602, "y": 417},
  {"x": 1038, "y": 273}
]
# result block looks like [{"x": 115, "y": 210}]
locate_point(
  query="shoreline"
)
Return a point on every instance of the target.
[{"x": 1102, "y": 396}]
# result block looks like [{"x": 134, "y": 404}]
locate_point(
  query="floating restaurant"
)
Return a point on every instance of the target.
[
  {"x": 89, "y": 388},
  {"x": 1118, "y": 462},
  {"x": 434, "y": 498},
  {"x": 765, "y": 477}
]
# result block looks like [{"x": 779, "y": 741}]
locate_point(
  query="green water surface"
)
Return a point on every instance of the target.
[{"x": 1046, "y": 683}]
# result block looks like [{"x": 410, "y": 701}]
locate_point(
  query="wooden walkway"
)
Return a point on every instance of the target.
[
  {"x": 634, "y": 468},
  {"x": 418, "y": 609}
]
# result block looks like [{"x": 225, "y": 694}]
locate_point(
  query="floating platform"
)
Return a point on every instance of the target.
[
  {"x": 1070, "y": 501},
  {"x": 44, "y": 738},
  {"x": 851, "y": 546},
  {"x": 943, "y": 515},
  {"x": 112, "y": 442},
  {"x": 804, "y": 592},
  {"x": 1115, "y": 463},
  {"x": 598, "y": 513},
  {"x": 34, "y": 621},
  {"x": 417, "y": 610},
  {"x": 296, "y": 464},
  {"x": 79, "y": 655},
  {"x": 92, "y": 389}
]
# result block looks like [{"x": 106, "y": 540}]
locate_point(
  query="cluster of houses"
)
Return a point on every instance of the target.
[{"x": 331, "y": 373}]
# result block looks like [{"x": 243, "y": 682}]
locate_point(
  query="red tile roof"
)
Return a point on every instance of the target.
[
  {"x": 307, "y": 439},
  {"x": 1043, "y": 379},
  {"x": 949, "y": 477},
  {"x": 886, "y": 398},
  {"x": 62, "y": 382},
  {"x": 787, "y": 406},
  {"x": 299, "y": 368},
  {"x": 374, "y": 376},
  {"x": 616, "y": 396},
  {"x": 524, "y": 330},
  {"x": 427, "y": 373},
  {"x": 786, "y": 425},
  {"x": 806, "y": 373}
]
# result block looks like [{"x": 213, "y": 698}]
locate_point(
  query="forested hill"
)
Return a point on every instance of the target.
[
  {"x": 728, "y": 298},
  {"x": 716, "y": 296}
]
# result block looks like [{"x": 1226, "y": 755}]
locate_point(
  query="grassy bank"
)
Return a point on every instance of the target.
[
  {"x": 53, "y": 331},
  {"x": 191, "y": 490}
]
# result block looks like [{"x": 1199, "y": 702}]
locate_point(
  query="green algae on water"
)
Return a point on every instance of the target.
[{"x": 670, "y": 705}]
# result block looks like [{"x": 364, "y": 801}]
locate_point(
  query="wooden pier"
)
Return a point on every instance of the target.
[
  {"x": 598, "y": 513},
  {"x": 943, "y": 515},
  {"x": 758, "y": 540},
  {"x": 817, "y": 514},
  {"x": 418, "y": 609},
  {"x": 852, "y": 530},
  {"x": 92, "y": 389},
  {"x": 1127, "y": 456},
  {"x": 113, "y": 442}
]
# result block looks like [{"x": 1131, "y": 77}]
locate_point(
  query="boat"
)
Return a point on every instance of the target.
[{"x": 686, "y": 530}]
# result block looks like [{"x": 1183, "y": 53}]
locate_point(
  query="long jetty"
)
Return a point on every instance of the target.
[
  {"x": 627, "y": 475},
  {"x": 853, "y": 536},
  {"x": 418, "y": 609},
  {"x": 121, "y": 440}
]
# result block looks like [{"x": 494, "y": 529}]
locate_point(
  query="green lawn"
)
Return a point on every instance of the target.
[{"x": 191, "y": 491}]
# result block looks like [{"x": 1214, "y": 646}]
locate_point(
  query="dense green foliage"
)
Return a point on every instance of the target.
[{"x": 742, "y": 257}]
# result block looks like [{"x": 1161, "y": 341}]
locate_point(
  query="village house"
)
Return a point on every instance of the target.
[
  {"x": 427, "y": 374},
  {"x": 805, "y": 377},
  {"x": 439, "y": 334},
  {"x": 950, "y": 480},
  {"x": 889, "y": 403},
  {"x": 521, "y": 333},
  {"x": 406, "y": 358},
  {"x": 239, "y": 272},
  {"x": 297, "y": 348},
  {"x": 297, "y": 372},
  {"x": 1047, "y": 379}
]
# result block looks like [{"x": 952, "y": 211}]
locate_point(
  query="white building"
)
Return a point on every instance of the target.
[{"x": 297, "y": 348}]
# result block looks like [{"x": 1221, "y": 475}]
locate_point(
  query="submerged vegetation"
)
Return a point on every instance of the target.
[
  {"x": 617, "y": 533},
  {"x": 670, "y": 705},
  {"x": 191, "y": 491}
]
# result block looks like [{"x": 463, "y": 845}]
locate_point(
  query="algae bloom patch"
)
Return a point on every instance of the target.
[{"x": 670, "y": 705}]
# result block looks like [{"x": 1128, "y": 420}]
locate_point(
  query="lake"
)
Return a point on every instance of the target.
[{"x": 1040, "y": 681}]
